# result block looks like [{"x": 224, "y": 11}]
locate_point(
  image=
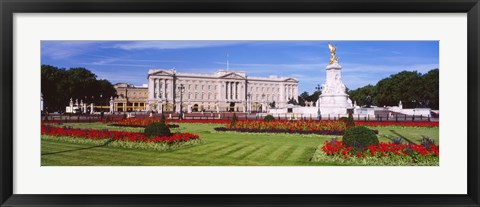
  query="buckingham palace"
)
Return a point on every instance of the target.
[{"x": 221, "y": 91}]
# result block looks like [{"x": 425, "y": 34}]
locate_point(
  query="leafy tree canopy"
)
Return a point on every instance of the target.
[
  {"x": 411, "y": 87},
  {"x": 59, "y": 85}
]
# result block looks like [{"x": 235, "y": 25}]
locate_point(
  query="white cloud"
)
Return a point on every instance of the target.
[
  {"x": 140, "y": 45},
  {"x": 64, "y": 49}
]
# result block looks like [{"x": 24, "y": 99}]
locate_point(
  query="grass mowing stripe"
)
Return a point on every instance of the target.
[
  {"x": 229, "y": 152},
  {"x": 247, "y": 153},
  {"x": 75, "y": 160},
  {"x": 262, "y": 153},
  {"x": 133, "y": 154},
  {"x": 131, "y": 159},
  {"x": 250, "y": 147},
  {"x": 297, "y": 153},
  {"x": 286, "y": 153},
  {"x": 217, "y": 149},
  {"x": 194, "y": 148},
  {"x": 307, "y": 154},
  {"x": 96, "y": 155},
  {"x": 279, "y": 150},
  {"x": 127, "y": 153}
]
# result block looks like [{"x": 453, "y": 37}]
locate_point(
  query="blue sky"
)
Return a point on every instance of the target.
[{"x": 363, "y": 62}]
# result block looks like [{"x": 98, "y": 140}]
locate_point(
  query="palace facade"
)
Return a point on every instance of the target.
[
  {"x": 221, "y": 91},
  {"x": 130, "y": 98}
]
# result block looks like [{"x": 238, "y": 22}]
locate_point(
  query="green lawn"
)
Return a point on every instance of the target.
[{"x": 219, "y": 148}]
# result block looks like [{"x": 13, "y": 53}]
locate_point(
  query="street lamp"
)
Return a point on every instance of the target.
[
  {"x": 249, "y": 103},
  {"x": 181, "y": 89},
  {"x": 319, "y": 89}
]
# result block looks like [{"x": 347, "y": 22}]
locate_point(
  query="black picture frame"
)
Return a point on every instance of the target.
[{"x": 10, "y": 7}]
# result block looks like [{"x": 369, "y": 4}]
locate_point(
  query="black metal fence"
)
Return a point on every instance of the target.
[{"x": 78, "y": 118}]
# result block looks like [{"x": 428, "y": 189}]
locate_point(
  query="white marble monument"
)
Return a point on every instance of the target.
[{"x": 334, "y": 100}]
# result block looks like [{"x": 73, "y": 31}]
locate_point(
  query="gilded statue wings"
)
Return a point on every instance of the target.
[{"x": 331, "y": 47}]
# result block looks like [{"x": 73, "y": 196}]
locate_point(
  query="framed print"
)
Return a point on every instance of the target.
[{"x": 264, "y": 103}]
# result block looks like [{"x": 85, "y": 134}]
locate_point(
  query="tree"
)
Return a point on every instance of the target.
[
  {"x": 314, "y": 97},
  {"x": 292, "y": 101},
  {"x": 59, "y": 85},
  {"x": 304, "y": 97},
  {"x": 301, "y": 101},
  {"x": 360, "y": 95},
  {"x": 410, "y": 87},
  {"x": 431, "y": 88},
  {"x": 405, "y": 86}
]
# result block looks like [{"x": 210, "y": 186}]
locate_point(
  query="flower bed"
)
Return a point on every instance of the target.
[
  {"x": 392, "y": 123},
  {"x": 324, "y": 132},
  {"x": 282, "y": 126},
  {"x": 119, "y": 138},
  {"x": 382, "y": 154},
  {"x": 201, "y": 121},
  {"x": 142, "y": 122},
  {"x": 142, "y": 126}
]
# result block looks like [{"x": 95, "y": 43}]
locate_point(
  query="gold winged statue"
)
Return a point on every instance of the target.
[{"x": 333, "y": 57}]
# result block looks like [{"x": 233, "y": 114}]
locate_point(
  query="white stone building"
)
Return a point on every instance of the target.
[{"x": 217, "y": 92}]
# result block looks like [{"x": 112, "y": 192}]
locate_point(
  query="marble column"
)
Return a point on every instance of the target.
[
  {"x": 166, "y": 88},
  {"x": 150, "y": 88},
  {"x": 229, "y": 91},
  {"x": 290, "y": 91},
  {"x": 219, "y": 91},
  {"x": 295, "y": 92},
  {"x": 236, "y": 90},
  {"x": 232, "y": 90},
  {"x": 159, "y": 89}
]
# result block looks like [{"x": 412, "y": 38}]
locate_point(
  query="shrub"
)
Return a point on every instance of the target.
[
  {"x": 344, "y": 119},
  {"x": 234, "y": 118},
  {"x": 269, "y": 118},
  {"x": 397, "y": 140},
  {"x": 427, "y": 142},
  {"x": 124, "y": 115},
  {"x": 359, "y": 137},
  {"x": 157, "y": 129},
  {"x": 350, "y": 122}
]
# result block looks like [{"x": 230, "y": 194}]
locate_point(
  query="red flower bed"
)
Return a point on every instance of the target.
[
  {"x": 115, "y": 135},
  {"x": 283, "y": 126},
  {"x": 142, "y": 122},
  {"x": 383, "y": 149},
  {"x": 392, "y": 123},
  {"x": 201, "y": 121},
  {"x": 289, "y": 125}
]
